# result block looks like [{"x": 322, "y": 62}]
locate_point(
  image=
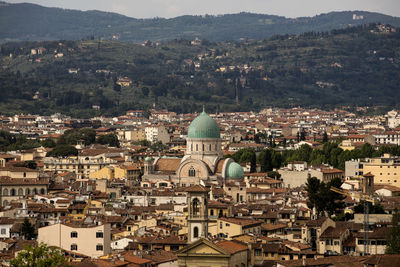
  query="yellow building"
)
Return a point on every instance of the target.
[
  {"x": 386, "y": 169},
  {"x": 222, "y": 254},
  {"x": 135, "y": 135},
  {"x": 229, "y": 227},
  {"x": 127, "y": 171},
  {"x": 4, "y": 158},
  {"x": 332, "y": 239},
  {"x": 104, "y": 173},
  {"x": 117, "y": 172},
  {"x": 217, "y": 209},
  {"x": 167, "y": 243},
  {"x": 124, "y": 82},
  {"x": 347, "y": 145}
]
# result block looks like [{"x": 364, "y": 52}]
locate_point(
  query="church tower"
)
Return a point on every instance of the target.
[{"x": 197, "y": 213}]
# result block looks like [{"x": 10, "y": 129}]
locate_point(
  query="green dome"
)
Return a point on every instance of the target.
[
  {"x": 203, "y": 126},
  {"x": 234, "y": 170},
  {"x": 147, "y": 159}
]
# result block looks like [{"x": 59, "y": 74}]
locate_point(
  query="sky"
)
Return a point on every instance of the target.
[{"x": 174, "y": 8}]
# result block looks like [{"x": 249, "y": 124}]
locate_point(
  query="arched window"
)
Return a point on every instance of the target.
[
  {"x": 5, "y": 203},
  {"x": 5, "y": 192},
  {"x": 34, "y": 191},
  {"x": 195, "y": 207},
  {"x": 195, "y": 232},
  {"x": 197, "y": 147},
  {"x": 209, "y": 147},
  {"x": 162, "y": 185},
  {"x": 20, "y": 192},
  {"x": 192, "y": 172},
  {"x": 191, "y": 147},
  {"x": 12, "y": 192},
  {"x": 27, "y": 191},
  {"x": 42, "y": 191}
]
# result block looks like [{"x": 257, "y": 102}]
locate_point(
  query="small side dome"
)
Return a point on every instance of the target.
[
  {"x": 147, "y": 159},
  {"x": 234, "y": 171}
]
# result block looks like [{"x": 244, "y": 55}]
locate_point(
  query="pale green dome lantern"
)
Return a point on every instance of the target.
[
  {"x": 147, "y": 159},
  {"x": 203, "y": 126},
  {"x": 234, "y": 170}
]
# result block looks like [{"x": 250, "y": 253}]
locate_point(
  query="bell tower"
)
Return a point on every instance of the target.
[{"x": 197, "y": 198}]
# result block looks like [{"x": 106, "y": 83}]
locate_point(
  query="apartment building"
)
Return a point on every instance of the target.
[
  {"x": 90, "y": 240},
  {"x": 388, "y": 138},
  {"x": 18, "y": 182},
  {"x": 157, "y": 133},
  {"x": 82, "y": 166},
  {"x": 386, "y": 169},
  {"x": 229, "y": 227}
]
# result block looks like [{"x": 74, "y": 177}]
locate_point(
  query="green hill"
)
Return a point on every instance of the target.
[
  {"x": 30, "y": 22},
  {"x": 356, "y": 66}
]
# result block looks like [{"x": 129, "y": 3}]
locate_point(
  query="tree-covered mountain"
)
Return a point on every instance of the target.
[
  {"x": 356, "y": 66},
  {"x": 22, "y": 22}
]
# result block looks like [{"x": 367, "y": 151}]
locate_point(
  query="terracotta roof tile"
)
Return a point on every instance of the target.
[
  {"x": 197, "y": 188},
  {"x": 232, "y": 246},
  {"x": 168, "y": 164}
]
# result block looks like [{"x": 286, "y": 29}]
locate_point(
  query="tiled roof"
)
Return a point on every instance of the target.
[
  {"x": 271, "y": 227},
  {"x": 17, "y": 169},
  {"x": 5, "y": 180},
  {"x": 220, "y": 164},
  {"x": 316, "y": 223},
  {"x": 383, "y": 260},
  {"x": 241, "y": 221},
  {"x": 6, "y": 220},
  {"x": 165, "y": 164},
  {"x": 216, "y": 204},
  {"x": 197, "y": 188},
  {"x": 160, "y": 256},
  {"x": 379, "y": 233},
  {"x": 332, "y": 232},
  {"x": 334, "y": 170},
  {"x": 232, "y": 246},
  {"x": 350, "y": 261}
]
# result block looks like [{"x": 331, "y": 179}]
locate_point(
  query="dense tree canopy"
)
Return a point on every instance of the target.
[
  {"x": 62, "y": 151},
  {"x": 322, "y": 198},
  {"x": 27, "y": 230},
  {"x": 108, "y": 139},
  {"x": 40, "y": 255},
  {"x": 318, "y": 69},
  {"x": 393, "y": 237}
]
